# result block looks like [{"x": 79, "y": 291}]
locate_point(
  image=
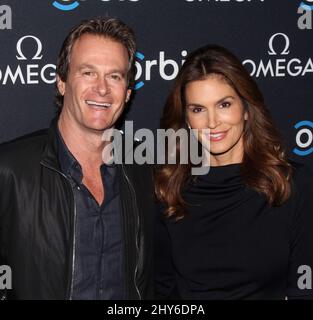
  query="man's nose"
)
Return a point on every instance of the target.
[{"x": 102, "y": 86}]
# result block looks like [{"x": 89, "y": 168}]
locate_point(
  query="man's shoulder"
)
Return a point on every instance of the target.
[{"x": 24, "y": 148}]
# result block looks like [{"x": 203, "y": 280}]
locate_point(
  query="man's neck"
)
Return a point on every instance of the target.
[{"x": 86, "y": 146}]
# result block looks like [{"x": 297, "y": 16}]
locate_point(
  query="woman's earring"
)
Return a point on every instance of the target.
[{"x": 188, "y": 125}]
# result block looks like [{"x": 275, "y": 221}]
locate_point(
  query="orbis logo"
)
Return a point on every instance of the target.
[
  {"x": 279, "y": 63},
  {"x": 29, "y": 68},
  {"x": 69, "y": 5},
  {"x": 304, "y": 138},
  {"x": 162, "y": 67}
]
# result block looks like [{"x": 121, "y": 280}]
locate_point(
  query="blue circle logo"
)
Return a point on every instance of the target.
[
  {"x": 304, "y": 5},
  {"x": 304, "y": 145},
  {"x": 140, "y": 57},
  {"x": 65, "y": 7}
]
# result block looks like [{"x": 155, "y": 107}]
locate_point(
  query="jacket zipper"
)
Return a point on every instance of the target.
[
  {"x": 74, "y": 247},
  {"x": 137, "y": 231},
  {"x": 74, "y": 222},
  {"x": 74, "y": 229}
]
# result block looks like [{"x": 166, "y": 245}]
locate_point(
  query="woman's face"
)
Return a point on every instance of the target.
[{"x": 213, "y": 104}]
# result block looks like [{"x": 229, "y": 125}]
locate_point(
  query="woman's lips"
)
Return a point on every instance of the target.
[{"x": 216, "y": 136}]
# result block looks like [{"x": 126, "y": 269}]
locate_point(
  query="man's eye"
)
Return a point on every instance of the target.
[
  {"x": 88, "y": 73},
  {"x": 116, "y": 77}
]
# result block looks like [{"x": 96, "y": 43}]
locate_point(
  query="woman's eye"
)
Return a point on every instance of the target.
[
  {"x": 197, "y": 110},
  {"x": 225, "y": 104}
]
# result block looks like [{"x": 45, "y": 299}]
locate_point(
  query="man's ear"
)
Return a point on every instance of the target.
[
  {"x": 61, "y": 85},
  {"x": 128, "y": 93}
]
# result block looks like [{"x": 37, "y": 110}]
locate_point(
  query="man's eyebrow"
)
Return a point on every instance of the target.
[
  {"x": 89, "y": 66},
  {"x": 86, "y": 65},
  {"x": 122, "y": 72}
]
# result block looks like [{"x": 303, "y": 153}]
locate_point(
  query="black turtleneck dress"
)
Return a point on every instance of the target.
[{"x": 232, "y": 245}]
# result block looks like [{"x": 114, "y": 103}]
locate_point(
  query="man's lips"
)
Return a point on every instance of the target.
[{"x": 98, "y": 104}]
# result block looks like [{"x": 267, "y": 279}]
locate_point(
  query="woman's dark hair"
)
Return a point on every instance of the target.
[{"x": 264, "y": 166}]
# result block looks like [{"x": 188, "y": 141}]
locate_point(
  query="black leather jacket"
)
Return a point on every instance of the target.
[{"x": 37, "y": 218}]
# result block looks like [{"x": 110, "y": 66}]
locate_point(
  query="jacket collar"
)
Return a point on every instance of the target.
[{"x": 50, "y": 153}]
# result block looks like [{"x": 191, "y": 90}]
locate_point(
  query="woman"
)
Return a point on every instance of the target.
[{"x": 245, "y": 229}]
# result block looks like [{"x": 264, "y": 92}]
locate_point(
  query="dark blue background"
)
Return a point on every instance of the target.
[{"x": 161, "y": 25}]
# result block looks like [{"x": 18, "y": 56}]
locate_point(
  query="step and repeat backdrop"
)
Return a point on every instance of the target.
[{"x": 273, "y": 38}]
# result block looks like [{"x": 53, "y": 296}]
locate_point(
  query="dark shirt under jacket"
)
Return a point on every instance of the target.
[
  {"x": 98, "y": 233},
  {"x": 232, "y": 245}
]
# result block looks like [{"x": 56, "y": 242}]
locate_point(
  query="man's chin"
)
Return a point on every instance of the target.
[
  {"x": 99, "y": 128},
  {"x": 99, "y": 124}
]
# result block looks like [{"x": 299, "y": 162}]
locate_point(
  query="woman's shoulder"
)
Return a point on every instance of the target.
[{"x": 301, "y": 172}]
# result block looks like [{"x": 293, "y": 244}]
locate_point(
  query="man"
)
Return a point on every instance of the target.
[{"x": 71, "y": 226}]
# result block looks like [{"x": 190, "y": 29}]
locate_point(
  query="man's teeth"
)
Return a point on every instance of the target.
[{"x": 98, "y": 104}]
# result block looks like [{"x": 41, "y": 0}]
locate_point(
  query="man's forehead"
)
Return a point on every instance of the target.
[
  {"x": 90, "y": 46},
  {"x": 96, "y": 39}
]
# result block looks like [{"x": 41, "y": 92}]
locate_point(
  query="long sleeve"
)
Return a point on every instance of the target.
[
  {"x": 301, "y": 246},
  {"x": 165, "y": 285}
]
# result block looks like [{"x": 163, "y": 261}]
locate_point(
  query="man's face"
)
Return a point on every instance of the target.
[{"x": 95, "y": 91}]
